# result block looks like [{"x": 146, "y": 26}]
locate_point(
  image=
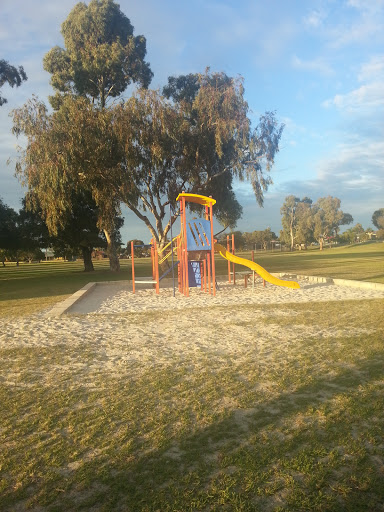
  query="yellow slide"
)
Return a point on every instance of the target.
[{"x": 254, "y": 266}]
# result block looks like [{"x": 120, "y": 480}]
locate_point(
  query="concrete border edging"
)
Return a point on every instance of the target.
[
  {"x": 358, "y": 284},
  {"x": 62, "y": 307},
  {"x": 368, "y": 285}
]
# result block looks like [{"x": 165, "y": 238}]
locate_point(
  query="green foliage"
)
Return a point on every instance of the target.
[
  {"x": 297, "y": 221},
  {"x": 195, "y": 139},
  {"x": 139, "y": 252},
  {"x": 73, "y": 149},
  {"x": 101, "y": 55},
  {"x": 259, "y": 238},
  {"x": 304, "y": 222},
  {"x": 11, "y": 75},
  {"x": 327, "y": 218},
  {"x": 8, "y": 226},
  {"x": 378, "y": 219},
  {"x": 354, "y": 234}
]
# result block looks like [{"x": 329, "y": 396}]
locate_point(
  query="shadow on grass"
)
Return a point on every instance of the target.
[{"x": 309, "y": 449}]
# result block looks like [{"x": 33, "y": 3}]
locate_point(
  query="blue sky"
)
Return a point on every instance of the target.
[{"x": 319, "y": 64}]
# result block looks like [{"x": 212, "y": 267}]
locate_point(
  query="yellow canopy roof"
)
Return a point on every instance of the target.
[{"x": 195, "y": 198}]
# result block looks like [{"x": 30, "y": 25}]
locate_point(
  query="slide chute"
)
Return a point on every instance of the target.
[{"x": 254, "y": 266}]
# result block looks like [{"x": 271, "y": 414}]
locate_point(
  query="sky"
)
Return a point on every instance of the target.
[{"x": 319, "y": 64}]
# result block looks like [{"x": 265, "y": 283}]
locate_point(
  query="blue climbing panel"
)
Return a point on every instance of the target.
[{"x": 199, "y": 235}]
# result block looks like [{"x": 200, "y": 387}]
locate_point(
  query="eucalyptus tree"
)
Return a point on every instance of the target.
[
  {"x": 8, "y": 230},
  {"x": 378, "y": 218},
  {"x": 327, "y": 218},
  {"x": 297, "y": 222},
  {"x": 196, "y": 139},
  {"x": 71, "y": 156},
  {"x": 100, "y": 59},
  {"x": 11, "y": 75}
]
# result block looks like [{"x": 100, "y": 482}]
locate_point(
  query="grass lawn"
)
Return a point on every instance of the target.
[
  {"x": 33, "y": 287},
  {"x": 273, "y": 408}
]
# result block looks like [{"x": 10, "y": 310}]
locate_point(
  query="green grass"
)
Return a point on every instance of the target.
[
  {"x": 33, "y": 287},
  {"x": 294, "y": 423},
  {"x": 362, "y": 262},
  {"x": 287, "y": 426}
]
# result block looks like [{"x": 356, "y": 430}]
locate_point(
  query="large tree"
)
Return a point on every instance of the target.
[
  {"x": 327, "y": 218},
  {"x": 197, "y": 140},
  {"x": 8, "y": 230},
  {"x": 296, "y": 221},
  {"x": 62, "y": 148},
  {"x": 378, "y": 218},
  {"x": 101, "y": 58},
  {"x": 11, "y": 75}
]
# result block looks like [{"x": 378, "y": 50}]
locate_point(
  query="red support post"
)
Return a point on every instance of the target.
[
  {"x": 153, "y": 258},
  {"x": 209, "y": 272},
  {"x": 212, "y": 252},
  {"x": 133, "y": 267},
  {"x": 229, "y": 263},
  {"x": 205, "y": 275},
  {"x": 157, "y": 284},
  {"x": 233, "y": 252},
  {"x": 185, "y": 249},
  {"x": 179, "y": 266}
]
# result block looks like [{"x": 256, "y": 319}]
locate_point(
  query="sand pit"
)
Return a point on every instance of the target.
[
  {"x": 127, "y": 332},
  {"x": 117, "y": 298}
]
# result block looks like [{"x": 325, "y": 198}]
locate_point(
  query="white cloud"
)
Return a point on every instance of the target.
[
  {"x": 364, "y": 5},
  {"x": 314, "y": 19},
  {"x": 366, "y": 97},
  {"x": 373, "y": 69},
  {"x": 318, "y": 65}
]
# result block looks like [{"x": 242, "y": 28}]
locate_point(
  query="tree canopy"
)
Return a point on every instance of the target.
[
  {"x": 63, "y": 148},
  {"x": 197, "y": 140},
  {"x": 195, "y": 137},
  {"x": 11, "y": 75},
  {"x": 327, "y": 218},
  {"x": 304, "y": 221},
  {"x": 296, "y": 219},
  {"x": 378, "y": 218},
  {"x": 101, "y": 55}
]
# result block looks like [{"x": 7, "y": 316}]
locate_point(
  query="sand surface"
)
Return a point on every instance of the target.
[
  {"x": 125, "y": 329},
  {"x": 116, "y": 298}
]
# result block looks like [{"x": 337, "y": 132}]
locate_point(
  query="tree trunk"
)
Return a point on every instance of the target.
[
  {"x": 87, "y": 258},
  {"x": 114, "y": 263}
]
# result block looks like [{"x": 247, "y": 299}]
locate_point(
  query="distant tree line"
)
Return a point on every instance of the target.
[
  {"x": 305, "y": 223},
  {"x": 24, "y": 234}
]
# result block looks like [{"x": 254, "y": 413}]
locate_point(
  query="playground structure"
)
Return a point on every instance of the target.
[{"x": 192, "y": 252}]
